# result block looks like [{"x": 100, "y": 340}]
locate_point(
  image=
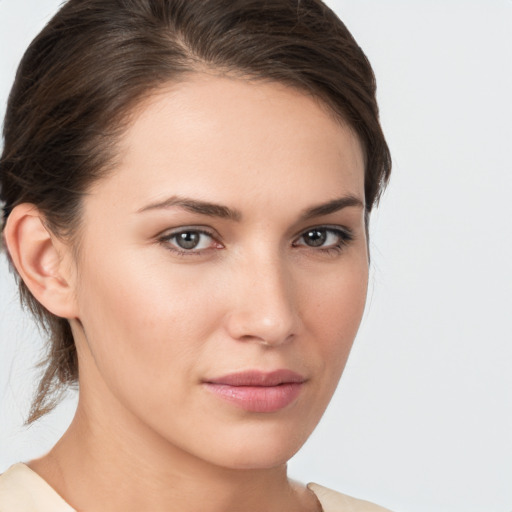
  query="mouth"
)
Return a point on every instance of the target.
[{"x": 256, "y": 391}]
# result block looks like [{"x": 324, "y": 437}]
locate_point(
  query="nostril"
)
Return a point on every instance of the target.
[{"x": 270, "y": 339}]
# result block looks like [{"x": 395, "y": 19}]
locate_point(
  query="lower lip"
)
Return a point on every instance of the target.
[{"x": 258, "y": 398}]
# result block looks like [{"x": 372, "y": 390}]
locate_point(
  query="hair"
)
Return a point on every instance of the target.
[{"x": 97, "y": 59}]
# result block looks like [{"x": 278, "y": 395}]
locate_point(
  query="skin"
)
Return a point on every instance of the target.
[{"x": 152, "y": 321}]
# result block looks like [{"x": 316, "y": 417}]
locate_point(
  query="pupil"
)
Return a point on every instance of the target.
[
  {"x": 315, "y": 237},
  {"x": 188, "y": 240}
]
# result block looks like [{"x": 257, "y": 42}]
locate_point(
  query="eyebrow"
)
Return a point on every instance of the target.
[
  {"x": 195, "y": 206},
  {"x": 224, "y": 212},
  {"x": 332, "y": 207}
]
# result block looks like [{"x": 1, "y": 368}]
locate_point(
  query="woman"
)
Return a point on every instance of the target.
[{"x": 187, "y": 191}]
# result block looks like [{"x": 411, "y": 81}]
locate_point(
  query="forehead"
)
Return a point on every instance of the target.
[{"x": 232, "y": 140}]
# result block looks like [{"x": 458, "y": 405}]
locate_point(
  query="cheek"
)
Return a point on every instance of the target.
[
  {"x": 141, "y": 322},
  {"x": 333, "y": 314}
]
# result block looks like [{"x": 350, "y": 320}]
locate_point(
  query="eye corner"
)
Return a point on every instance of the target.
[
  {"x": 326, "y": 238},
  {"x": 189, "y": 241}
]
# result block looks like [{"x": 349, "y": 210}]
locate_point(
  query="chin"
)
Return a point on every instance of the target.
[
  {"x": 258, "y": 448},
  {"x": 264, "y": 457}
]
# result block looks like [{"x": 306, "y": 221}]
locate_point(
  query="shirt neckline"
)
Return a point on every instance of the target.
[{"x": 20, "y": 476}]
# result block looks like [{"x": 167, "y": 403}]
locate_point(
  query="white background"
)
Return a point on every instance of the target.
[{"x": 422, "y": 420}]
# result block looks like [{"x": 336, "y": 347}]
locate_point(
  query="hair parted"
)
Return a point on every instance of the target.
[{"x": 97, "y": 59}]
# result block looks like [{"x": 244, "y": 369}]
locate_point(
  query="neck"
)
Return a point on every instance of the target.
[{"x": 131, "y": 469}]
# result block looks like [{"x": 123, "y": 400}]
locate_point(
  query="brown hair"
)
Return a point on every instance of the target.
[{"x": 92, "y": 63}]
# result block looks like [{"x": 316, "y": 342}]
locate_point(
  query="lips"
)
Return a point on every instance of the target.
[{"x": 257, "y": 391}]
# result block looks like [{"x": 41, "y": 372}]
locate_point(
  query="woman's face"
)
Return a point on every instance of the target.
[{"x": 222, "y": 271}]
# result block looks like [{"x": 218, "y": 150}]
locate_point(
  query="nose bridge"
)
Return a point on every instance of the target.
[{"x": 265, "y": 307}]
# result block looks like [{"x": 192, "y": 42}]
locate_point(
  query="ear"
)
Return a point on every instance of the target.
[{"x": 43, "y": 262}]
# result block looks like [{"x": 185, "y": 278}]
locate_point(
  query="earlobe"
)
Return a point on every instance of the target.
[{"x": 42, "y": 261}]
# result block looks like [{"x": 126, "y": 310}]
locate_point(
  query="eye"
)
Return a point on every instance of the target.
[
  {"x": 190, "y": 241},
  {"x": 325, "y": 238}
]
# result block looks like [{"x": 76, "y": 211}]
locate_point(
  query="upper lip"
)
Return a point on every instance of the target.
[{"x": 258, "y": 378}]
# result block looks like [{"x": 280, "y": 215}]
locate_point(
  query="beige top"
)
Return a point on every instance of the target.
[{"x": 23, "y": 490}]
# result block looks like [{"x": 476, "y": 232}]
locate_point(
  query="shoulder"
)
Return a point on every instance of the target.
[
  {"x": 333, "y": 501},
  {"x": 23, "y": 490}
]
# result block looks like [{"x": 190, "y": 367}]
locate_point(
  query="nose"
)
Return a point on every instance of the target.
[{"x": 264, "y": 304}]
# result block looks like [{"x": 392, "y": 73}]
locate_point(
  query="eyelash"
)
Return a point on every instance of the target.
[
  {"x": 344, "y": 237},
  {"x": 167, "y": 241}
]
